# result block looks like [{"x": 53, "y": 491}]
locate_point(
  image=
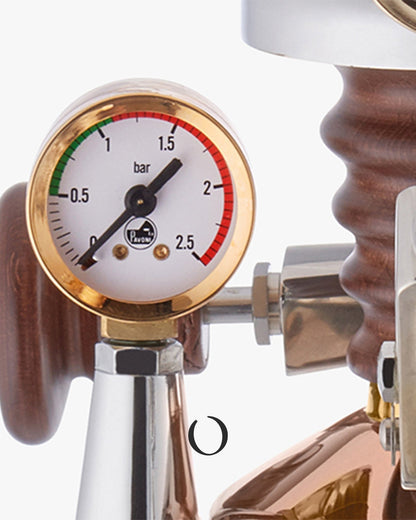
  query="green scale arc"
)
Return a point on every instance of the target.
[{"x": 66, "y": 156}]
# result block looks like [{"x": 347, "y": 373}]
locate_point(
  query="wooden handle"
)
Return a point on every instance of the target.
[
  {"x": 46, "y": 340},
  {"x": 373, "y": 129}
]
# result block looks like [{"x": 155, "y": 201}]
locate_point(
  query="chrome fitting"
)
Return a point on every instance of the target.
[
  {"x": 137, "y": 461},
  {"x": 389, "y": 435},
  {"x": 386, "y": 372},
  {"x": 359, "y": 32},
  {"x": 258, "y": 304},
  {"x": 265, "y": 303},
  {"x": 306, "y": 303},
  {"x": 318, "y": 317},
  {"x": 160, "y": 358}
]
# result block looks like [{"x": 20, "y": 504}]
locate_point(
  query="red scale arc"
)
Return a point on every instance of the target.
[{"x": 228, "y": 210}]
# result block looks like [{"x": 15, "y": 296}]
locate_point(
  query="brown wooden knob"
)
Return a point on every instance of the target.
[
  {"x": 46, "y": 340},
  {"x": 373, "y": 129}
]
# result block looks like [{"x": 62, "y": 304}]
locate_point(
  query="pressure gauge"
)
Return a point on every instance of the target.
[{"x": 140, "y": 205}]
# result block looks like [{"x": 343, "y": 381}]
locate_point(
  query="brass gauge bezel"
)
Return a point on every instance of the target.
[
  {"x": 38, "y": 192},
  {"x": 401, "y": 11}
]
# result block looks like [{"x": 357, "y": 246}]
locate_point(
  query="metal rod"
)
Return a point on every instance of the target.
[{"x": 137, "y": 461}]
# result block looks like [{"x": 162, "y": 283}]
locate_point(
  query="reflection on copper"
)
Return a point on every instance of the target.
[
  {"x": 400, "y": 504},
  {"x": 180, "y": 502},
  {"x": 344, "y": 498},
  {"x": 341, "y": 474}
]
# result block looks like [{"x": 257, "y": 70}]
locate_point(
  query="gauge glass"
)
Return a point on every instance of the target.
[
  {"x": 141, "y": 203},
  {"x": 152, "y": 254}
]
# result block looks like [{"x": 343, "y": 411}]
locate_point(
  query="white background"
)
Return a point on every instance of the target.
[{"x": 51, "y": 53}]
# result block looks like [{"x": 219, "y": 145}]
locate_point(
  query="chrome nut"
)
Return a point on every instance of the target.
[
  {"x": 386, "y": 434},
  {"x": 147, "y": 360},
  {"x": 265, "y": 302},
  {"x": 386, "y": 372}
]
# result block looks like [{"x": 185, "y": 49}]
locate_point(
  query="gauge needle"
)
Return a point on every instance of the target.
[
  {"x": 164, "y": 176},
  {"x": 87, "y": 260},
  {"x": 139, "y": 201}
]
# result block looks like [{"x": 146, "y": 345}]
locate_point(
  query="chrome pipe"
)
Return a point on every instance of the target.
[
  {"x": 137, "y": 464},
  {"x": 230, "y": 305}
]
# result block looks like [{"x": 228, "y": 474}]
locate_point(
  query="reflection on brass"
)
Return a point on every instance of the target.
[
  {"x": 318, "y": 318},
  {"x": 88, "y": 295},
  {"x": 377, "y": 409},
  {"x": 161, "y": 252},
  {"x": 142, "y": 331},
  {"x": 402, "y": 11},
  {"x": 105, "y": 109},
  {"x": 340, "y": 474},
  {"x": 120, "y": 251}
]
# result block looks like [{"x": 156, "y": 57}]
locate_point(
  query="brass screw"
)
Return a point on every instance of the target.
[
  {"x": 161, "y": 252},
  {"x": 140, "y": 202},
  {"x": 120, "y": 251}
]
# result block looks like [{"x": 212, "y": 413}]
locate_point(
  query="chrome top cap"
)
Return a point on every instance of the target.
[{"x": 343, "y": 32}]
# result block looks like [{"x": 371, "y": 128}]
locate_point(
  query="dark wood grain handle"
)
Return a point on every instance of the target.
[
  {"x": 373, "y": 128},
  {"x": 46, "y": 340}
]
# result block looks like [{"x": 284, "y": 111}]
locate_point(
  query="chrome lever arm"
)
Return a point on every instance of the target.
[{"x": 406, "y": 331}]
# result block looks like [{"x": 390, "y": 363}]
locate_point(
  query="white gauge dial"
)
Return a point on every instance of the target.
[
  {"x": 145, "y": 199},
  {"x": 141, "y": 204}
]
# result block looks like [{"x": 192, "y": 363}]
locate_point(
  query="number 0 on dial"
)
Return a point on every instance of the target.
[{"x": 140, "y": 205}]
